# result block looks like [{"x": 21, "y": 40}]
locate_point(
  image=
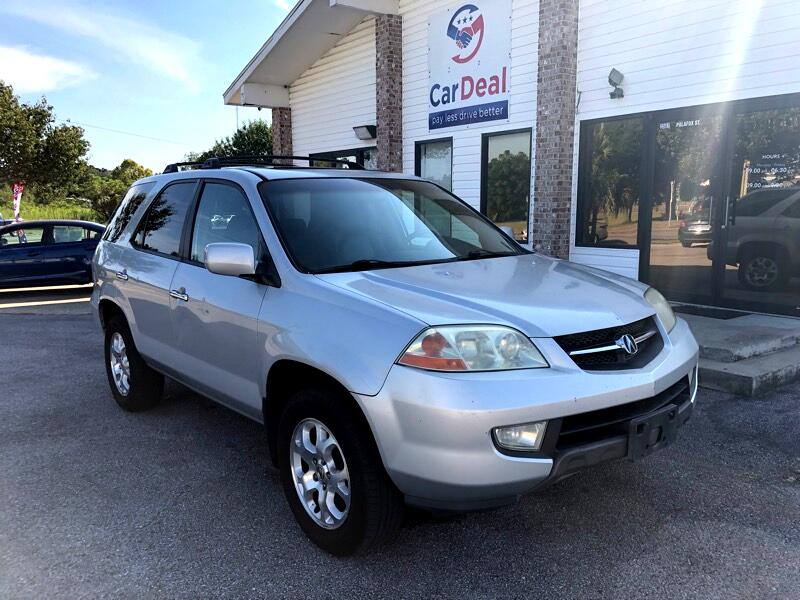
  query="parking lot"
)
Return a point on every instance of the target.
[{"x": 181, "y": 502}]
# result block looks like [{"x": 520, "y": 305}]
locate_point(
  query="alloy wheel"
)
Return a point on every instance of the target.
[
  {"x": 120, "y": 367},
  {"x": 320, "y": 475},
  {"x": 762, "y": 271}
]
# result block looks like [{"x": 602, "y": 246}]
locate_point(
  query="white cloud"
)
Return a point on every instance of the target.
[
  {"x": 28, "y": 72},
  {"x": 171, "y": 55},
  {"x": 286, "y": 5}
]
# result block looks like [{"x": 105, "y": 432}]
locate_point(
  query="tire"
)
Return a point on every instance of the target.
[
  {"x": 375, "y": 508},
  {"x": 142, "y": 387},
  {"x": 686, "y": 244},
  {"x": 763, "y": 270}
]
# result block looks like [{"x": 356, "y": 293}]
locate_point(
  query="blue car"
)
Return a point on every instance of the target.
[{"x": 47, "y": 252}]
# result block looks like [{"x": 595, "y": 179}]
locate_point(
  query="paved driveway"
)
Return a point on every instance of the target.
[{"x": 181, "y": 502}]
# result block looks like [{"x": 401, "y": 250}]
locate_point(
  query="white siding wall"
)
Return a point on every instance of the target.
[
  {"x": 677, "y": 53},
  {"x": 466, "y": 142},
  {"x": 335, "y": 94}
]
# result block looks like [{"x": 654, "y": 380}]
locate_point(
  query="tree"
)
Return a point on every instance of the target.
[
  {"x": 35, "y": 151},
  {"x": 509, "y": 187},
  {"x": 105, "y": 189},
  {"x": 252, "y": 138}
]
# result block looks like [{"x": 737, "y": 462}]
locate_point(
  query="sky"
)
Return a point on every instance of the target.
[{"x": 144, "y": 79}]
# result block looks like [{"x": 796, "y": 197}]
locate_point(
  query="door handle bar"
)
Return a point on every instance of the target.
[
  {"x": 122, "y": 275},
  {"x": 179, "y": 295}
]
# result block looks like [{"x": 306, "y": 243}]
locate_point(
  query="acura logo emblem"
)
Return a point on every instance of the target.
[{"x": 628, "y": 343}]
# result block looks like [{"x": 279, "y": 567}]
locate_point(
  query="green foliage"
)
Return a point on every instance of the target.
[
  {"x": 59, "y": 209},
  {"x": 105, "y": 190},
  {"x": 254, "y": 137},
  {"x": 508, "y": 187},
  {"x": 48, "y": 158}
]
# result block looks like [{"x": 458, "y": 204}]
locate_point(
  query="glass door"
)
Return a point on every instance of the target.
[
  {"x": 760, "y": 232},
  {"x": 685, "y": 204}
]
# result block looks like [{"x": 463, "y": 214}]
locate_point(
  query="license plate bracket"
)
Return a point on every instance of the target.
[{"x": 652, "y": 432}]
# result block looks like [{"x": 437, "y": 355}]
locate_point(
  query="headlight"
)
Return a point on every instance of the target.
[
  {"x": 472, "y": 348},
  {"x": 663, "y": 309}
]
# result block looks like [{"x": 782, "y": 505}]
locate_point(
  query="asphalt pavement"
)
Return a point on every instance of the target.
[{"x": 181, "y": 502}]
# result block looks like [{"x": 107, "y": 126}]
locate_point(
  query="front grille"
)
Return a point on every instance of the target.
[
  {"x": 616, "y": 358},
  {"x": 613, "y": 421}
]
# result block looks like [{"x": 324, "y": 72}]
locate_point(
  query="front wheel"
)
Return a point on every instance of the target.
[
  {"x": 332, "y": 475},
  {"x": 763, "y": 270}
]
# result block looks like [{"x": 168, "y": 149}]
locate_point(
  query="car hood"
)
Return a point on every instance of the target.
[{"x": 538, "y": 295}]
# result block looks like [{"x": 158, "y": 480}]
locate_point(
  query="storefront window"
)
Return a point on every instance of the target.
[
  {"x": 434, "y": 162},
  {"x": 507, "y": 180},
  {"x": 363, "y": 156},
  {"x": 608, "y": 198}
]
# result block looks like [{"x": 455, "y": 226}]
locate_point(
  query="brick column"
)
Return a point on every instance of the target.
[
  {"x": 282, "y": 131},
  {"x": 555, "y": 125},
  {"x": 389, "y": 94}
]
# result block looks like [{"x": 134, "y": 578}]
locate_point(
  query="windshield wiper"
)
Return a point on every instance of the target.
[
  {"x": 481, "y": 253},
  {"x": 365, "y": 264}
]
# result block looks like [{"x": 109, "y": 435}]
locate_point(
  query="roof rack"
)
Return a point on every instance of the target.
[{"x": 217, "y": 162}]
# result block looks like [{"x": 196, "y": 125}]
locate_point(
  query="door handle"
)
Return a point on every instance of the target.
[
  {"x": 122, "y": 275},
  {"x": 179, "y": 294},
  {"x": 34, "y": 254}
]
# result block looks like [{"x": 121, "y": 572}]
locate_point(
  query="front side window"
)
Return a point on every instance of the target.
[
  {"x": 162, "y": 226},
  {"x": 29, "y": 236},
  {"x": 435, "y": 162},
  {"x": 330, "y": 225},
  {"x": 507, "y": 180},
  {"x": 608, "y": 198},
  {"x": 223, "y": 216}
]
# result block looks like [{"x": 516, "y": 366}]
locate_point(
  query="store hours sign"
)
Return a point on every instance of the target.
[{"x": 469, "y": 63}]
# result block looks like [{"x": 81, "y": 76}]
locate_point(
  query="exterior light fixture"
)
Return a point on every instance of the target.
[
  {"x": 365, "y": 132},
  {"x": 615, "y": 80}
]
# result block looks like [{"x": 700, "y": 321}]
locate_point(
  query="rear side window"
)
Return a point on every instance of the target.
[
  {"x": 757, "y": 203},
  {"x": 63, "y": 234},
  {"x": 162, "y": 226},
  {"x": 130, "y": 203}
]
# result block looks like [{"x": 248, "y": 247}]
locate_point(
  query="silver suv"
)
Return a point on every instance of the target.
[{"x": 397, "y": 346}]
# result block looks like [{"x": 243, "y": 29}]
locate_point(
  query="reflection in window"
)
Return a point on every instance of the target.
[
  {"x": 507, "y": 163},
  {"x": 165, "y": 218},
  {"x": 130, "y": 203},
  {"x": 224, "y": 216},
  {"x": 435, "y": 162},
  {"x": 609, "y": 199}
]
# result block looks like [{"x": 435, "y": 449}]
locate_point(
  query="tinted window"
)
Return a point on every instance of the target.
[
  {"x": 130, "y": 203},
  {"x": 31, "y": 236},
  {"x": 793, "y": 211},
  {"x": 507, "y": 164},
  {"x": 608, "y": 198},
  {"x": 757, "y": 203},
  {"x": 329, "y": 224},
  {"x": 163, "y": 223},
  {"x": 223, "y": 215}
]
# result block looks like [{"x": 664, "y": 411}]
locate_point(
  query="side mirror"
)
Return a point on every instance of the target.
[{"x": 230, "y": 259}]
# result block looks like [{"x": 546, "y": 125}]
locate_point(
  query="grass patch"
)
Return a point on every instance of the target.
[{"x": 66, "y": 209}]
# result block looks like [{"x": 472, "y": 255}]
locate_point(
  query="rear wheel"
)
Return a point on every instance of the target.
[
  {"x": 332, "y": 475},
  {"x": 135, "y": 385}
]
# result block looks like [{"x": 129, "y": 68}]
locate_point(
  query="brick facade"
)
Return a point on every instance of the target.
[
  {"x": 389, "y": 91},
  {"x": 282, "y": 131},
  {"x": 555, "y": 125}
]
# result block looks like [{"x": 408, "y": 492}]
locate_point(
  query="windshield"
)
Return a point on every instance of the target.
[{"x": 332, "y": 224}]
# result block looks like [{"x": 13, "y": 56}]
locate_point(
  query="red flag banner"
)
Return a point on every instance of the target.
[{"x": 16, "y": 198}]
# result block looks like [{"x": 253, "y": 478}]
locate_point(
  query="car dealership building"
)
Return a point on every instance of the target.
[{"x": 659, "y": 139}]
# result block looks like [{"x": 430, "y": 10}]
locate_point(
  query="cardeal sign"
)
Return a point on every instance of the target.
[{"x": 469, "y": 63}]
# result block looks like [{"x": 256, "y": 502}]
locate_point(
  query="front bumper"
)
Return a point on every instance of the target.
[{"x": 433, "y": 429}]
